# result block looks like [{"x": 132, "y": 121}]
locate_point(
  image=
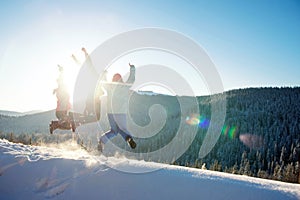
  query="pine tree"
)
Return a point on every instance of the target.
[
  {"x": 297, "y": 171},
  {"x": 262, "y": 174},
  {"x": 278, "y": 172},
  {"x": 247, "y": 170},
  {"x": 216, "y": 166},
  {"x": 243, "y": 163},
  {"x": 283, "y": 155},
  {"x": 289, "y": 173},
  {"x": 235, "y": 169}
]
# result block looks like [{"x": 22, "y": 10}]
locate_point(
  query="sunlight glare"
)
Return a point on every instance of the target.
[{"x": 71, "y": 65}]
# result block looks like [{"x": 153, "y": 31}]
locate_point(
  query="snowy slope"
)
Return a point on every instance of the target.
[{"x": 67, "y": 172}]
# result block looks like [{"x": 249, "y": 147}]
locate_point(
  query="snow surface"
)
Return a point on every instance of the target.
[{"x": 65, "y": 171}]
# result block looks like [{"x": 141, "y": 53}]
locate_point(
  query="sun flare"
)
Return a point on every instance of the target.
[{"x": 71, "y": 66}]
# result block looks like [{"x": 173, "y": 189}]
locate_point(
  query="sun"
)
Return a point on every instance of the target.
[{"x": 68, "y": 68}]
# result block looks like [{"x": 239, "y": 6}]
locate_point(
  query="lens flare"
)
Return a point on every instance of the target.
[
  {"x": 252, "y": 141},
  {"x": 232, "y": 132},
  {"x": 197, "y": 120},
  {"x": 225, "y": 130},
  {"x": 228, "y": 131}
]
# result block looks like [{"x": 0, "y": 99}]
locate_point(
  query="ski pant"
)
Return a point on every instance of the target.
[
  {"x": 118, "y": 125},
  {"x": 61, "y": 114}
]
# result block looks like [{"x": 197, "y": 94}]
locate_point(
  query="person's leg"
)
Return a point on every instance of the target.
[
  {"x": 124, "y": 135},
  {"x": 112, "y": 132},
  {"x": 107, "y": 136},
  {"x": 59, "y": 115},
  {"x": 128, "y": 138},
  {"x": 121, "y": 123},
  {"x": 122, "y": 128}
]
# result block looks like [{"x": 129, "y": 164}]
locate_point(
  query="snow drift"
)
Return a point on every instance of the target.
[{"x": 67, "y": 172}]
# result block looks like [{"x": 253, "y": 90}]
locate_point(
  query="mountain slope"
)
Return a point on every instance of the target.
[
  {"x": 10, "y": 113},
  {"x": 17, "y": 114},
  {"x": 67, "y": 172},
  {"x": 30, "y": 123}
]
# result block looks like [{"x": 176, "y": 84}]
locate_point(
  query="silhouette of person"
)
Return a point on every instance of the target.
[{"x": 63, "y": 97}]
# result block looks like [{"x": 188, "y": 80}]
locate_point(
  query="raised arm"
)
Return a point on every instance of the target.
[
  {"x": 131, "y": 77},
  {"x": 89, "y": 62}
]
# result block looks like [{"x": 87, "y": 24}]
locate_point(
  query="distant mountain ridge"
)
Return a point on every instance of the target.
[
  {"x": 10, "y": 113},
  {"x": 26, "y": 123},
  {"x": 15, "y": 113}
]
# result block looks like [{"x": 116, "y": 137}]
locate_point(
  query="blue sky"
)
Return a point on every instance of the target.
[{"x": 252, "y": 43}]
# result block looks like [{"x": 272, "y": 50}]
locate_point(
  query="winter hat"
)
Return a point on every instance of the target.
[{"x": 117, "y": 78}]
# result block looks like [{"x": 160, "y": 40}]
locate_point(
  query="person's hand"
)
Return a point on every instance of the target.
[
  {"x": 105, "y": 72},
  {"x": 131, "y": 65},
  {"x": 104, "y": 75},
  {"x": 60, "y": 68}
]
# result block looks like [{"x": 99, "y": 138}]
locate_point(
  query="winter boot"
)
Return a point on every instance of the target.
[
  {"x": 131, "y": 142},
  {"x": 53, "y": 126}
]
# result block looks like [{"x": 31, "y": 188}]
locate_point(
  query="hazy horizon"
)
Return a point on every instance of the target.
[{"x": 50, "y": 109}]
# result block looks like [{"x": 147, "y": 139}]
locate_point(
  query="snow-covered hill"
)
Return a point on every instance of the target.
[
  {"x": 29, "y": 123},
  {"x": 67, "y": 172}
]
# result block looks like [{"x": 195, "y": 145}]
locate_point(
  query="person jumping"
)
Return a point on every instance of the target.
[{"x": 118, "y": 93}]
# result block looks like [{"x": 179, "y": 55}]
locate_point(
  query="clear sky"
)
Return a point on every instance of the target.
[{"x": 252, "y": 43}]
